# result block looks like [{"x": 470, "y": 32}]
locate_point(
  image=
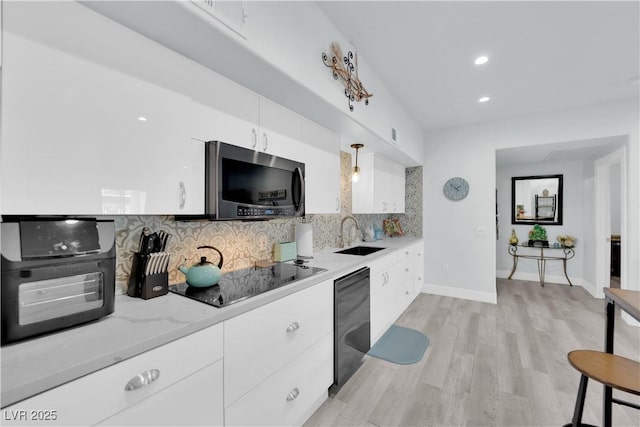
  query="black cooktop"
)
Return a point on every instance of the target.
[{"x": 239, "y": 285}]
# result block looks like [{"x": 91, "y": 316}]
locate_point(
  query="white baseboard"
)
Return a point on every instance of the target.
[
  {"x": 470, "y": 294},
  {"x": 590, "y": 287}
]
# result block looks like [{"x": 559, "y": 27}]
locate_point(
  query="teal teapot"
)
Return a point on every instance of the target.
[{"x": 204, "y": 273}]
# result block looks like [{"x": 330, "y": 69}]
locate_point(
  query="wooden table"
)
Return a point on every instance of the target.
[
  {"x": 542, "y": 258},
  {"x": 628, "y": 301}
]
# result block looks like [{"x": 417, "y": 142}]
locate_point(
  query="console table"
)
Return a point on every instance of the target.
[{"x": 552, "y": 254}]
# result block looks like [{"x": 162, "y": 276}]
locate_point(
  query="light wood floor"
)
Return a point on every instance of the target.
[{"x": 488, "y": 365}]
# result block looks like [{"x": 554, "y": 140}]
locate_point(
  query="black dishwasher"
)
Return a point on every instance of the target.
[{"x": 352, "y": 325}]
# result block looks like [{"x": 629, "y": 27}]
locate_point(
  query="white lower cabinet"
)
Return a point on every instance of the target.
[
  {"x": 383, "y": 295},
  {"x": 290, "y": 395},
  {"x": 260, "y": 342},
  {"x": 418, "y": 266},
  {"x": 142, "y": 379},
  {"x": 396, "y": 280},
  {"x": 405, "y": 285},
  {"x": 193, "y": 401}
]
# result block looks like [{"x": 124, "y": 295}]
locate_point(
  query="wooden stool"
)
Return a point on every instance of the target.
[{"x": 611, "y": 370}]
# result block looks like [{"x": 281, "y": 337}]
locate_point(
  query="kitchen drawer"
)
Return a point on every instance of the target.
[
  {"x": 405, "y": 284},
  {"x": 193, "y": 401},
  {"x": 97, "y": 396},
  {"x": 291, "y": 395},
  {"x": 258, "y": 343}
]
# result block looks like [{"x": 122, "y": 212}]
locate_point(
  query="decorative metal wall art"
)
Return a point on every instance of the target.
[{"x": 346, "y": 69}]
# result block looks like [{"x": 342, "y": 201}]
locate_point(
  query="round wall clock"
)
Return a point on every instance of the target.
[{"x": 456, "y": 188}]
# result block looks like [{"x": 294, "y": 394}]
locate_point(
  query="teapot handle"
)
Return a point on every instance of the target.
[{"x": 211, "y": 247}]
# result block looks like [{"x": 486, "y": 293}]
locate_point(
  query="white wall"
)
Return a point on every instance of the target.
[
  {"x": 573, "y": 221},
  {"x": 459, "y": 235}
]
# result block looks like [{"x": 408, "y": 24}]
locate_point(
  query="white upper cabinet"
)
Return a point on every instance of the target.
[
  {"x": 80, "y": 137},
  {"x": 225, "y": 111},
  {"x": 222, "y": 110},
  {"x": 322, "y": 168},
  {"x": 280, "y": 130},
  {"x": 229, "y": 13},
  {"x": 381, "y": 187}
]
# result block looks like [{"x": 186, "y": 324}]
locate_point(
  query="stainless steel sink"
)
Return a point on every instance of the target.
[{"x": 360, "y": 250}]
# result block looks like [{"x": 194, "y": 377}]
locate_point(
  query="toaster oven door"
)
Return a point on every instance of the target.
[{"x": 49, "y": 299}]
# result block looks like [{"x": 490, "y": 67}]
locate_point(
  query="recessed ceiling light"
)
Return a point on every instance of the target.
[
  {"x": 142, "y": 119},
  {"x": 484, "y": 99},
  {"x": 481, "y": 60}
]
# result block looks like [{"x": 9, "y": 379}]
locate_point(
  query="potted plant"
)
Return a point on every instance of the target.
[{"x": 538, "y": 236}]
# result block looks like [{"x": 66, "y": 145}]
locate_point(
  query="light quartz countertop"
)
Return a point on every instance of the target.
[{"x": 39, "y": 364}]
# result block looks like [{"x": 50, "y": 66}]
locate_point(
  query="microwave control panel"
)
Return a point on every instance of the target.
[{"x": 254, "y": 211}]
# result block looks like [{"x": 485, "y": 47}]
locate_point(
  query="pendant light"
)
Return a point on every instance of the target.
[{"x": 355, "y": 176}]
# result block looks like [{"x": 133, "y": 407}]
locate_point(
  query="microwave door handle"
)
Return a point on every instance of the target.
[{"x": 298, "y": 177}]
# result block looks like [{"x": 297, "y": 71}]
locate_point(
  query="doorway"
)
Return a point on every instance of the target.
[
  {"x": 615, "y": 218},
  {"x": 610, "y": 220}
]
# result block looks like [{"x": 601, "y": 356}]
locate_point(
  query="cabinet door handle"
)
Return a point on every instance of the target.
[
  {"x": 265, "y": 141},
  {"x": 142, "y": 379},
  {"x": 337, "y": 204},
  {"x": 254, "y": 138},
  {"x": 293, "y": 327},
  {"x": 293, "y": 394},
  {"x": 183, "y": 195}
]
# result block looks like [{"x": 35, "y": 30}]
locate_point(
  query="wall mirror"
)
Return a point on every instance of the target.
[{"x": 536, "y": 199}]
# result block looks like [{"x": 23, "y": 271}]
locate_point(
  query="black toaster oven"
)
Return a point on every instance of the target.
[{"x": 56, "y": 273}]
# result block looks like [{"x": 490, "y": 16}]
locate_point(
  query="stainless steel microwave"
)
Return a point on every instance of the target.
[{"x": 248, "y": 184}]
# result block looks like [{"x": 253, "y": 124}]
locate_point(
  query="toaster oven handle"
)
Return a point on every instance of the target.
[{"x": 298, "y": 178}]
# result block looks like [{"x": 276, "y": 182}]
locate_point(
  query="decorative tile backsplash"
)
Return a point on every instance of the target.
[{"x": 242, "y": 243}]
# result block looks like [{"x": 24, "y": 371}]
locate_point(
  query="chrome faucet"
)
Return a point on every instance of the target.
[{"x": 342, "y": 228}]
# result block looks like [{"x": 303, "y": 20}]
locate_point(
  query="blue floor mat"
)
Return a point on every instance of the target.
[{"x": 400, "y": 345}]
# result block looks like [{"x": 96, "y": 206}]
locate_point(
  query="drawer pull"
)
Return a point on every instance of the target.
[
  {"x": 293, "y": 327},
  {"x": 143, "y": 379},
  {"x": 293, "y": 394}
]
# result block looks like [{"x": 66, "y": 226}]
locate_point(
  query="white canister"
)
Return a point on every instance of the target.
[{"x": 304, "y": 239}]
